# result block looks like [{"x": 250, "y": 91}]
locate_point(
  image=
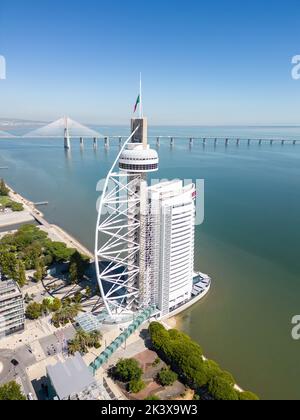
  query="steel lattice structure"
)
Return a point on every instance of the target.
[{"x": 116, "y": 245}]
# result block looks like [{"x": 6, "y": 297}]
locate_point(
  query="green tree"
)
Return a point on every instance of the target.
[
  {"x": 47, "y": 306},
  {"x": 34, "y": 311},
  {"x": 220, "y": 389},
  {"x": 88, "y": 292},
  {"x": 4, "y": 191},
  {"x": 21, "y": 274},
  {"x": 59, "y": 251},
  {"x": 31, "y": 255},
  {"x": 228, "y": 377},
  {"x": 39, "y": 273},
  {"x": 128, "y": 370},
  {"x": 11, "y": 392},
  {"x": 78, "y": 266},
  {"x": 166, "y": 377},
  {"x": 213, "y": 369},
  {"x": 78, "y": 297},
  {"x": 248, "y": 396},
  {"x": 67, "y": 313},
  {"x": 16, "y": 206},
  {"x": 8, "y": 263},
  {"x": 83, "y": 341},
  {"x": 55, "y": 305},
  {"x": 136, "y": 386},
  {"x": 73, "y": 273}
]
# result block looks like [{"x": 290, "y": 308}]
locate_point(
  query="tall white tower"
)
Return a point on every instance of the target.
[
  {"x": 119, "y": 239},
  {"x": 170, "y": 243}
]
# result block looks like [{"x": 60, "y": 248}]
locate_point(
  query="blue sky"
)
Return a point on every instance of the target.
[{"x": 203, "y": 62}]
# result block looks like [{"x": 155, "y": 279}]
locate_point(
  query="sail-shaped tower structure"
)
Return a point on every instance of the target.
[{"x": 118, "y": 233}]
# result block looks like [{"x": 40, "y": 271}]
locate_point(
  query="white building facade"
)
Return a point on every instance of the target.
[
  {"x": 168, "y": 240},
  {"x": 12, "y": 311}
]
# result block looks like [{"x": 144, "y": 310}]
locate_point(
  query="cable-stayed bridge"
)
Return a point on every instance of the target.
[
  {"x": 67, "y": 129},
  {"x": 58, "y": 129}
]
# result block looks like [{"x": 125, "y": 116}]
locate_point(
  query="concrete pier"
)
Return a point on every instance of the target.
[{"x": 67, "y": 143}]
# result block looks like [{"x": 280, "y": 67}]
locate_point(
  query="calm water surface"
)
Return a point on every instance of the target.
[{"x": 249, "y": 242}]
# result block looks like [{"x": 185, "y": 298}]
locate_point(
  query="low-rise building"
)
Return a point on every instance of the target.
[
  {"x": 73, "y": 380},
  {"x": 12, "y": 310}
]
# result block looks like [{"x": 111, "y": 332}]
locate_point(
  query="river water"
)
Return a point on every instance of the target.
[{"x": 248, "y": 243}]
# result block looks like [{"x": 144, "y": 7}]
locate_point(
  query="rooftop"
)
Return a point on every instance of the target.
[
  {"x": 9, "y": 289},
  {"x": 71, "y": 377}
]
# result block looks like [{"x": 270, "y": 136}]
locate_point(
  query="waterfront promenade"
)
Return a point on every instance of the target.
[{"x": 31, "y": 214}]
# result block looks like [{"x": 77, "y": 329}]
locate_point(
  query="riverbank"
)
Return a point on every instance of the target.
[{"x": 31, "y": 214}]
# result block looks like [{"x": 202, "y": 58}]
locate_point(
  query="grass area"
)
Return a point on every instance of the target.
[{"x": 6, "y": 202}]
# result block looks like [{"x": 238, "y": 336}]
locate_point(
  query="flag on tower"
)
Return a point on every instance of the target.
[{"x": 138, "y": 101}]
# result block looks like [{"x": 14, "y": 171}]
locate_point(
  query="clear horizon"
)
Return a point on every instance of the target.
[{"x": 214, "y": 64}]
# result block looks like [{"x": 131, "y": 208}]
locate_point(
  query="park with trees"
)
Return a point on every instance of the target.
[
  {"x": 5, "y": 201},
  {"x": 31, "y": 249},
  {"x": 129, "y": 372},
  {"x": 185, "y": 357}
]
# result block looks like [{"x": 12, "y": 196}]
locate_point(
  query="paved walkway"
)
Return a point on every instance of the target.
[{"x": 15, "y": 218}]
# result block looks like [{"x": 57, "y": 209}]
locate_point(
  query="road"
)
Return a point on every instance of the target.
[{"x": 11, "y": 373}]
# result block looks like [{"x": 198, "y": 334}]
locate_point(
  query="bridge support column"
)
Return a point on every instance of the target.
[
  {"x": 172, "y": 141},
  {"x": 282, "y": 143},
  {"x": 67, "y": 143},
  {"x": 260, "y": 142},
  {"x": 120, "y": 141},
  {"x": 271, "y": 142},
  {"x": 95, "y": 142},
  {"x": 226, "y": 142},
  {"x": 204, "y": 142},
  {"x": 249, "y": 142},
  {"x": 106, "y": 142},
  {"x": 294, "y": 143},
  {"x": 238, "y": 142},
  {"x": 191, "y": 141},
  {"x": 215, "y": 142},
  {"x": 81, "y": 141},
  {"x": 158, "y": 141}
]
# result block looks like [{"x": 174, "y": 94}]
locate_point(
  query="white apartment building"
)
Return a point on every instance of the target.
[
  {"x": 167, "y": 245},
  {"x": 12, "y": 312}
]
